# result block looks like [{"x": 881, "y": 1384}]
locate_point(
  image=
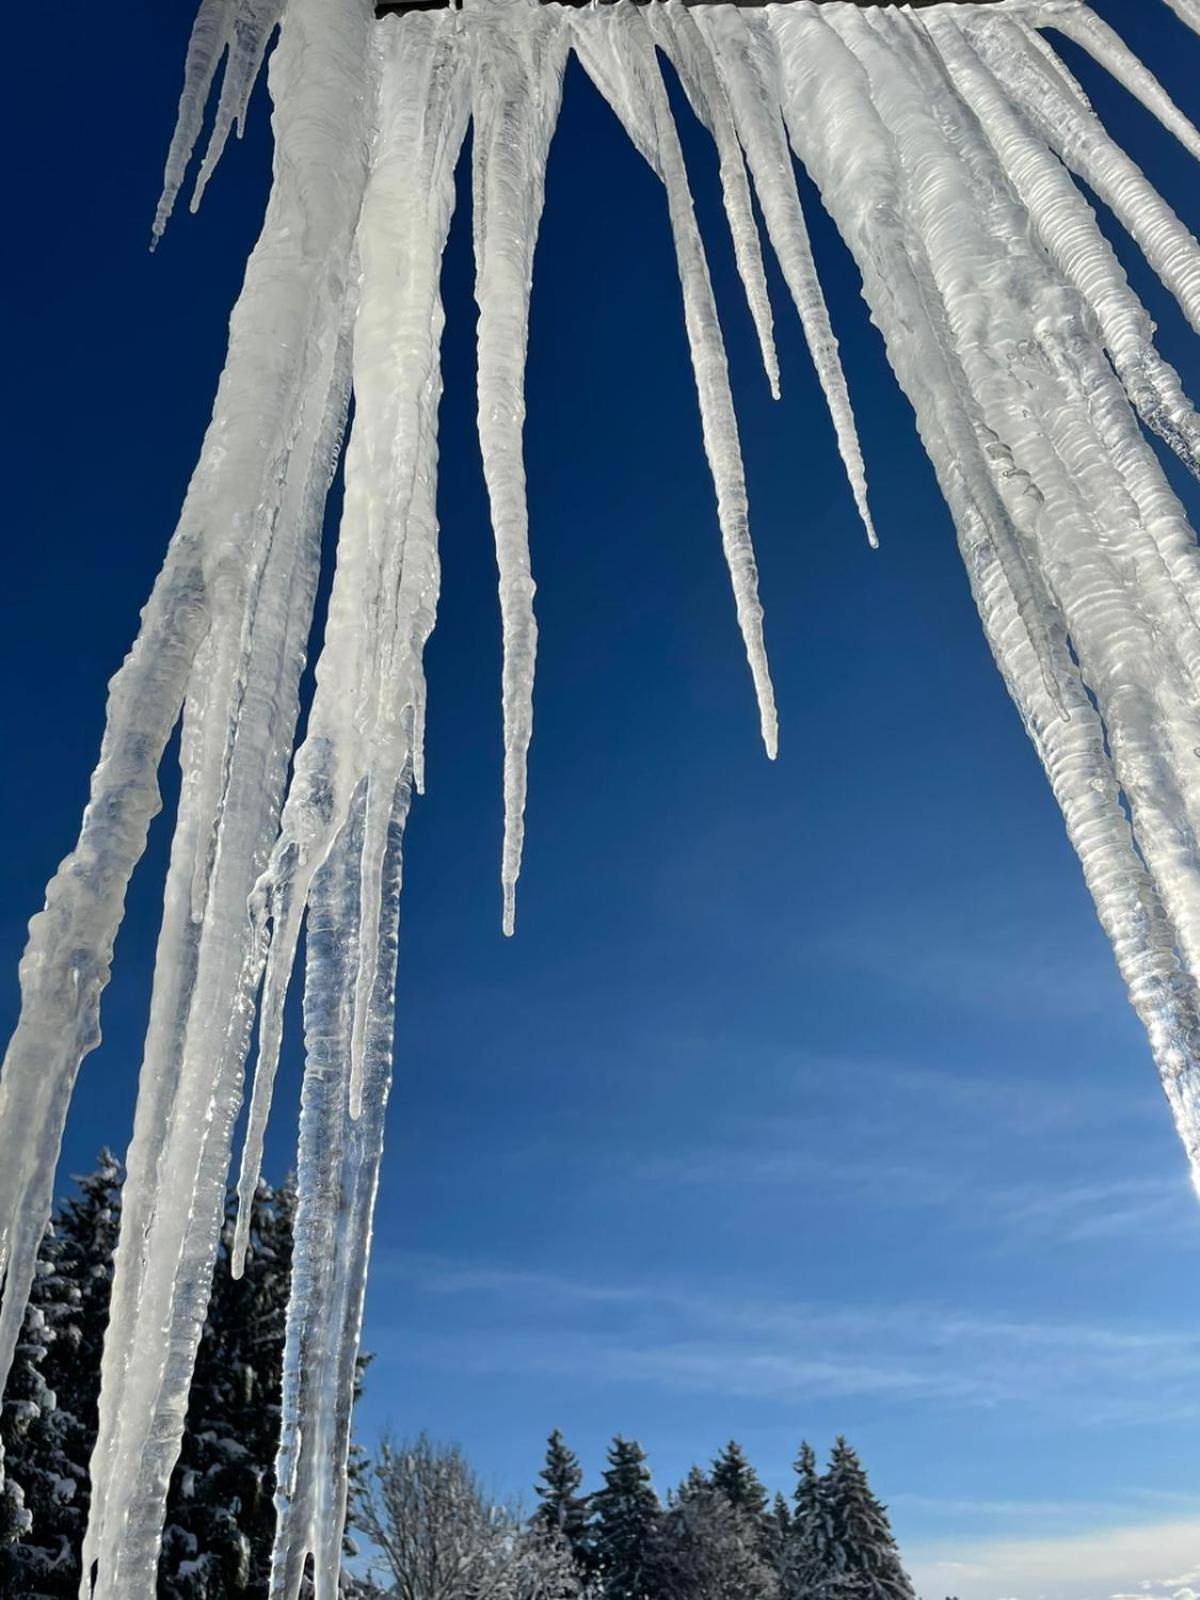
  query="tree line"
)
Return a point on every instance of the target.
[
  {"x": 436, "y": 1535},
  {"x": 429, "y": 1530}
]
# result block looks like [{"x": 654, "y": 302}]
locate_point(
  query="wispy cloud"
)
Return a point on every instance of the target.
[
  {"x": 1080, "y": 1212},
  {"x": 720, "y": 1341},
  {"x": 976, "y": 958}
]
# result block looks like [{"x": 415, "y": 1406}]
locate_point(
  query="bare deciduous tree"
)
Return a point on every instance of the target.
[{"x": 441, "y": 1537}]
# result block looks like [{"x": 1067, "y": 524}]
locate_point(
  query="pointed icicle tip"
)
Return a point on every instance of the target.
[{"x": 509, "y": 919}]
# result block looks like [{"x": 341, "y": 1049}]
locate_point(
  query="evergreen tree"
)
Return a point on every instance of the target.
[
  {"x": 734, "y": 1477},
  {"x": 41, "y": 1472},
  {"x": 778, "y": 1531},
  {"x": 563, "y": 1510},
  {"x": 807, "y": 1481},
  {"x": 86, "y": 1225},
  {"x": 220, "y": 1511},
  {"x": 707, "y": 1548},
  {"x": 808, "y": 1562},
  {"x": 49, "y": 1419},
  {"x": 866, "y": 1562},
  {"x": 626, "y": 1512}
]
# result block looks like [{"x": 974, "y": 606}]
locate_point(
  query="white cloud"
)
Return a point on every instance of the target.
[{"x": 1154, "y": 1561}]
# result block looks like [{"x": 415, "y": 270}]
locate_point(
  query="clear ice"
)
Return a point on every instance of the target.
[{"x": 954, "y": 149}]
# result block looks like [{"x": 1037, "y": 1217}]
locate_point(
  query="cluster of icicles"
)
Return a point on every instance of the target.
[{"x": 948, "y": 143}]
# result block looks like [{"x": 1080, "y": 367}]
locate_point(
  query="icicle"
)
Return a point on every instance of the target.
[
  {"x": 1081, "y": 141},
  {"x": 834, "y": 124},
  {"x": 1057, "y": 67},
  {"x": 934, "y": 137},
  {"x": 741, "y": 45},
  {"x": 190, "y": 1088},
  {"x": 369, "y": 678},
  {"x": 1053, "y": 404},
  {"x": 677, "y": 36},
  {"x": 360, "y": 740},
  {"x": 339, "y": 1165},
  {"x": 252, "y": 30},
  {"x": 1071, "y": 234},
  {"x": 1105, "y": 45},
  {"x": 618, "y": 54},
  {"x": 518, "y": 76},
  {"x": 66, "y": 963},
  {"x": 210, "y": 35},
  {"x": 1187, "y": 11},
  {"x": 946, "y": 409}
]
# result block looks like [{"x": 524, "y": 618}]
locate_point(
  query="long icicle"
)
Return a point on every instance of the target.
[
  {"x": 1187, "y": 11},
  {"x": 618, "y": 53},
  {"x": 677, "y": 36},
  {"x": 241, "y": 468},
  {"x": 1105, "y": 46},
  {"x": 1055, "y": 409},
  {"x": 252, "y": 29},
  {"x": 518, "y": 74},
  {"x": 389, "y": 523},
  {"x": 826, "y": 99},
  {"x": 190, "y": 1087},
  {"x": 210, "y": 36},
  {"x": 744, "y": 55},
  {"x": 942, "y": 402},
  {"x": 936, "y": 139},
  {"x": 369, "y": 674},
  {"x": 339, "y": 1159}
]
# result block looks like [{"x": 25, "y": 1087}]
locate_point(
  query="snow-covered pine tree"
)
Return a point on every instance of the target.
[
  {"x": 562, "y": 1510},
  {"x": 49, "y": 1419},
  {"x": 39, "y": 1467},
  {"x": 866, "y": 1563},
  {"x": 807, "y": 1565},
  {"x": 734, "y": 1477},
  {"x": 779, "y": 1530},
  {"x": 625, "y": 1513},
  {"x": 708, "y": 1548},
  {"x": 86, "y": 1225}
]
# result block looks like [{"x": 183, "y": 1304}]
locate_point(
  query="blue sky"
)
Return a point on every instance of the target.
[{"x": 806, "y": 1098}]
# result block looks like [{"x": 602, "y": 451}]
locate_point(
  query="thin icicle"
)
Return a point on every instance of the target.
[
  {"x": 1057, "y": 67},
  {"x": 1081, "y": 141},
  {"x": 339, "y": 1167},
  {"x": 618, "y": 53},
  {"x": 745, "y": 56},
  {"x": 1187, "y": 11},
  {"x": 676, "y": 34},
  {"x": 518, "y": 73},
  {"x": 252, "y": 30},
  {"x": 1105, "y": 45},
  {"x": 210, "y": 35}
]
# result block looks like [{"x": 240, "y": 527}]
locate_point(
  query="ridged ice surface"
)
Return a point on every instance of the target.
[{"x": 955, "y": 151}]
